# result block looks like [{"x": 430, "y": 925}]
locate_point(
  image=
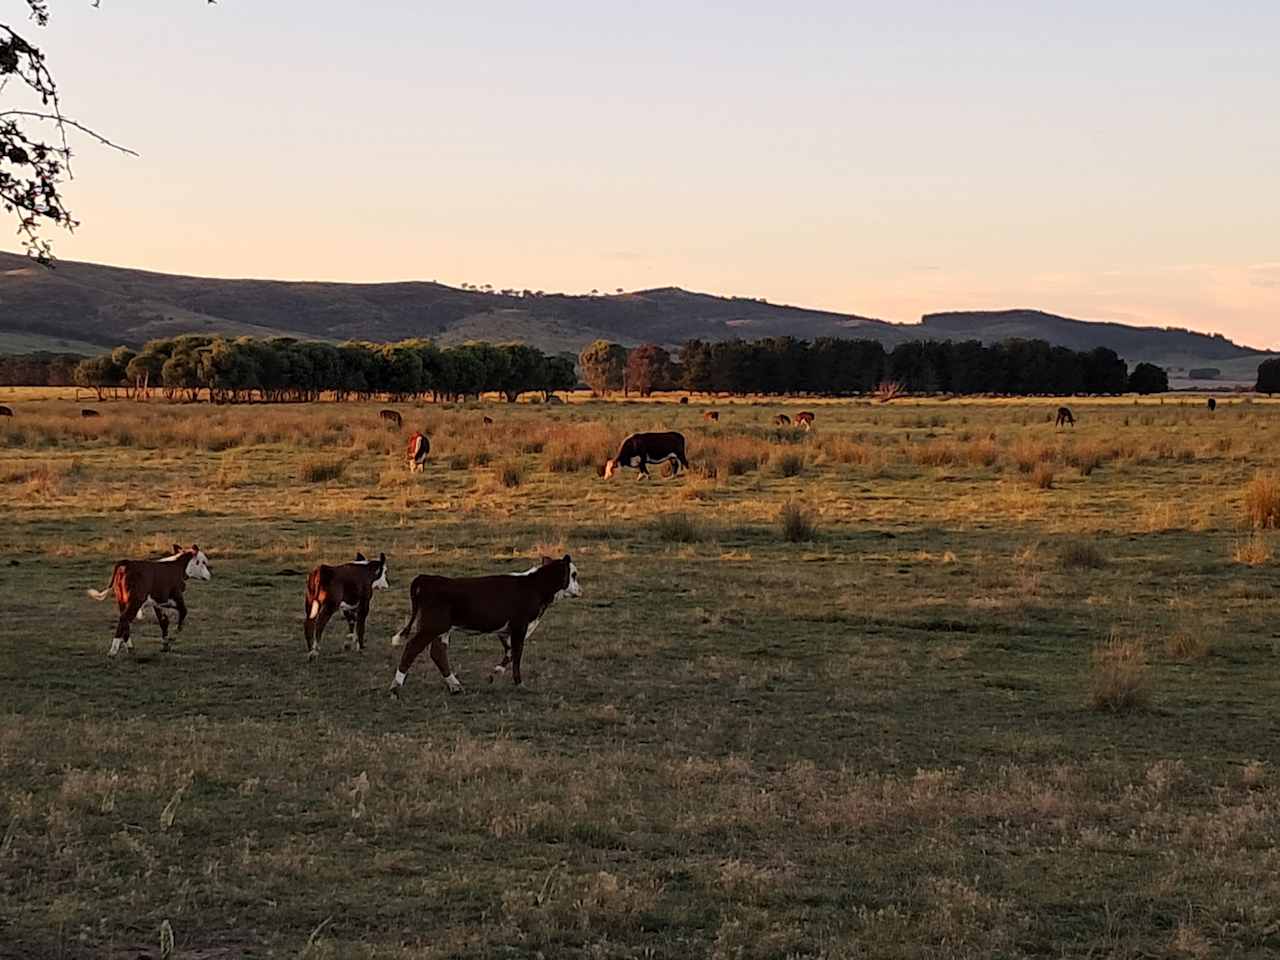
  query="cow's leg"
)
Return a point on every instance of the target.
[
  {"x": 313, "y": 649},
  {"x": 362, "y": 615},
  {"x": 519, "y": 631},
  {"x": 422, "y": 629},
  {"x": 643, "y": 472},
  {"x": 181, "y": 606},
  {"x": 440, "y": 654},
  {"x": 350, "y": 617},
  {"x": 128, "y": 611},
  {"x": 504, "y": 637},
  {"x": 163, "y": 620}
]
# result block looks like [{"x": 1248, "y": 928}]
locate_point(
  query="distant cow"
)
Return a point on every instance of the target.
[
  {"x": 488, "y": 421},
  {"x": 155, "y": 584},
  {"x": 804, "y": 419},
  {"x": 1213, "y": 404},
  {"x": 782, "y": 420},
  {"x": 711, "y": 416},
  {"x": 393, "y": 416},
  {"x": 419, "y": 447},
  {"x": 5, "y": 412},
  {"x": 684, "y": 400},
  {"x": 86, "y": 412},
  {"x": 554, "y": 400},
  {"x": 1064, "y": 417},
  {"x": 641, "y": 449},
  {"x": 510, "y": 605},
  {"x": 348, "y": 587}
]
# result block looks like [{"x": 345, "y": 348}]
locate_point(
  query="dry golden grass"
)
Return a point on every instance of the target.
[
  {"x": 1253, "y": 551},
  {"x": 1262, "y": 500},
  {"x": 1119, "y": 676}
]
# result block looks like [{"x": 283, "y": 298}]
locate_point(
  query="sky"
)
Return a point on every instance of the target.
[{"x": 1104, "y": 160}]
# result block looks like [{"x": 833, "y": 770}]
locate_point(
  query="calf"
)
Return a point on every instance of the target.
[
  {"x": 393, "y": 416},
  {"x": 554, "y": 400},
  {"x": 158, "y": 584},
  {"x": 804, "y": 420},
  {"x": 1213, "y": 404},
  {"x": 348, "y": 587},
  {"x": 782, "y": 420},
  {"x": 86, "y": 412},
  {"x": 5, "y": 412},
  {"x": 419, "y": 447},
  {"x": 488, "y": 421},
  {"x": 711, "y": 416},
  {"x": 1064, "y": 417},
  {"x": 641, "y": 449},
  {"x": 684, "y": 400},
  {"x": 510, "y": 605}
]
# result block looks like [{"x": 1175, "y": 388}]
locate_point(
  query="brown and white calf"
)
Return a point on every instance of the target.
[
  {"x": 641, "y": 449},
  {"x": 510, "y": 605},
  {"x": 419, "y": 447},
  {"x": 804, "y": 420},
  {"x": 86, "y": 412},
  {"x": 782, "y": 420},
  {"x": 155, "y": 584},
  {"x": 348, "y": 588},
  {"x": 711, "y": 416},
  {"x": 392, "y": 416},
  {"x": 5, "y": 412}
]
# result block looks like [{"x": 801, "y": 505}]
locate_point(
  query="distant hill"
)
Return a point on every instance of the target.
[{"x": 91, "y": 306}]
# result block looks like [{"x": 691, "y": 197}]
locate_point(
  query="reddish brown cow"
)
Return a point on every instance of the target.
[
  {"x": 711, "y": 416},
  {"x": 782, "y": 420},
  {"x": 158, "y": 584},
  {"x": 804, "y": 420},
  {"x": 347, "y": 587},
  {"x": 392, "y": 416},
  {"x": 86, "y": 412},
  {"x": 5, "y": 412},
  {"x": 510, "y": 605},
  {"x": 419, "y": 447}
]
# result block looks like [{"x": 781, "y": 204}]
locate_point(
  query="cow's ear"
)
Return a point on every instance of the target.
[
  {"x": 382, "y": 559},
  {"x": 568, "y": 559},
  {"x": 359, "y": 557},
  {"x": 194, "y": 548}
]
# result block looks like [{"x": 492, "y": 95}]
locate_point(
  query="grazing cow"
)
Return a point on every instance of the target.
[
  {"x": 419, "y": 447},
  {"x": 1213, "y": 404},
  {"x": 1064, "y": 416},
  {"x": 641, "y": 449},
  {"x": 86, "y": 412},
  {"x": 804, "y": 420},
  {"x": 392, "y": 416},
  {"x": 157, "y": 584},
  {"x": 711, "y": 416},
  {"x": 348, "y": 587},
  {"x": 782, "y": 420},
  {"x": 684, "y": 400},
  {"x": 554, "y": 400},
  {"x": 488, "y": 421},
  {"x": 5, "y": 412},
  {"x": 510, "y": 605}
]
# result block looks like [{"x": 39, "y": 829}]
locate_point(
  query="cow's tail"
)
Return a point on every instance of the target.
[
  {"x": 405, "y": 633},
  {"x": 103, "y": 594}
]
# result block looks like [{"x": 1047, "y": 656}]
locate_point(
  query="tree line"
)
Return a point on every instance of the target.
[
  {"x": 282, "y": 369},
  {"x": 833, "y": 366}
]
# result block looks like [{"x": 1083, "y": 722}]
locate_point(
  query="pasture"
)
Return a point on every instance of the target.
[{"x": 932, "y": 680}]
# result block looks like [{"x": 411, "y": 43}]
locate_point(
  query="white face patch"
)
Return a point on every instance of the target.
[
  {"x": 574, "y": 589},
  {"x": 198, "y": 567},
  {"x": 381, "y": 582}
]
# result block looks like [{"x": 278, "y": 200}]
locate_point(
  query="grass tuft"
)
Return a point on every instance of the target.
[
  {"x": 320, "y": 469},
  {"x": 511, "y": 474},
  {"x": 1253, "y": 552},
  {"x": 1262, "y": 501},
  {"x": 1082, "y": 555},
  {"x": 678, "y": 528},
  {"x": 798, "y": 524},
  {"x": 1120, "y": 676}
]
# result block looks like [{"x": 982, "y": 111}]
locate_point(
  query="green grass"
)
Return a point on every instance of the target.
[{"x": 881, "y": 743}]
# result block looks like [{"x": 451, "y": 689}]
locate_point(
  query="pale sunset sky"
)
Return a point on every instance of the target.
[{"x": 1104, "y": 160}]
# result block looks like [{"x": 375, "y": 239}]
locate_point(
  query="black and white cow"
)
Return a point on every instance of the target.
[
  {"x": 510, "y": 605},
  {"x": 641, "y": 449},
  {"x": 348, "y": 588},
  {"x": 155, "y": 584}
]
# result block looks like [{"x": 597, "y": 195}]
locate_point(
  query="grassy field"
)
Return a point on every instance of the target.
[{"x": 934, "y": 680}]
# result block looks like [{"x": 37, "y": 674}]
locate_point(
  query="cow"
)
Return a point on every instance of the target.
[
  {"x": 5, "y": 412},
  {"x": 804, "y": 420},
  {"x": 419, "y": 447},
  {"x": 684, "y": 401},
  {"x": 1213, "y": 404},
  {"x": 554, "y": 400},
  {"x": 392, "y": 416},
  {"x": 86, "y": 412},
  {"x": 711, "y": 416},
  {"x": 782, "y": 420},
  {"x": 347, "y": 587},
  {"x": 488, "y": 421},
  {"x": 1064, "y": 417},
  {"x": 155, "y": 584},
  {"x": 510, "y": 605},
  {"x": 641, "y": 449}
]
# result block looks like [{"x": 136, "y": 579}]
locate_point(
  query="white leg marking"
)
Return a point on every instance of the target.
[
  {"x": 115, "y": 646},
  {"x": 399, "y": 679},
  {"x": 453, "y": 683},
  {"x": 398, "y": 638},
  {"x": 315, "y": 609}
]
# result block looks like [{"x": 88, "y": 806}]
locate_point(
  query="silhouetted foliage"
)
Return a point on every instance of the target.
[
  {"x": 1148, "y": 378},
  {"x": 1268, "y": 377}
]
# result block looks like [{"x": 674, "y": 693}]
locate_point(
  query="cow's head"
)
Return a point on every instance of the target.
[
  {"x": 610, "y": 467},
  {"x": 569, "y": 585},
  {"x": 198, "y": 565}
]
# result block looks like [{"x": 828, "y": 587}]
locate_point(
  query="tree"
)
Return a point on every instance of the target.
[
  {"x": 525, "y": 370},
  {"x": 559, "y": 373},
  {"x": 97, "y": 373},
  {"x": 1268, "y": 377},
  {"x": 1148, "y": 378},
  {"x": 35, "y": 156},
  {"x": 603, "y": 365},
  {"x": 648, "y": 367}
]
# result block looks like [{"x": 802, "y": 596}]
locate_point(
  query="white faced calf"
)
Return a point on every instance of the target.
[
  {"x": 155, "y": 584},
  {"x": 347, "y": 588}
]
